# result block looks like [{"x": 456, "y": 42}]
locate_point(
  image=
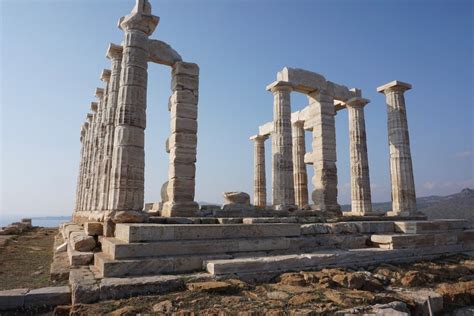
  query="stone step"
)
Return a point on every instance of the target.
[
  {"x": 326, "y": 259},
  {"x": 440, "y": 225},
  {"x": 158, "y": 232},
  {"x": 399, "y": 241},
  {"x": 118, "y": 249},
  {"x": 109, "y": 267}
]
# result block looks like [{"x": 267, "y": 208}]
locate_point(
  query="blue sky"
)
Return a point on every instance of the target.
[{"x": 52, "y": 53}]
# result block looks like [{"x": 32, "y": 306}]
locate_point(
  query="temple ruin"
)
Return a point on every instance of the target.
[{"x": 116, "y": 247}]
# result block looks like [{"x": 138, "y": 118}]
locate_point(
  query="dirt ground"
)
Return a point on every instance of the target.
[
  {"x": 308, "y": 293},
  {"x": 25, "y": 260}
]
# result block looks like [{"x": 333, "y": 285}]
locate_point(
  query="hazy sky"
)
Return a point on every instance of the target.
[{"x": 52, "y": 53}]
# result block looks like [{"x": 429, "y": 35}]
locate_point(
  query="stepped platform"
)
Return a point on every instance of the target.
[{"x": 143, "y": 249}]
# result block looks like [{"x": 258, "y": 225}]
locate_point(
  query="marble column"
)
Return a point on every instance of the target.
[
  {"x": 98, "y": 144},
  {"x": 359, "y": 162},
  {"x": 300, "y": 176},
  {"x": 90, "y": 155},
  {"x": 259, "y": 178},
  {"x": 81, "y": 162},
  {"x": 114, "y": 53},
  {"x": 324, "y": 194},
  {"x": 128, "y": 159},
  {"x": 401, "y": 168},
  {"x": 182, "y": 143},
  {"x": 282, "y": 159}
]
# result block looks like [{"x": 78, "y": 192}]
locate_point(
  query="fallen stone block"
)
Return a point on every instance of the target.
[
  {"x": 77, "y": 258},
  {"x": 12, "y": 299},
  {"x": 84, "y": 287},
  {"x": 59, "y": 269},
  {"x": 81, "y": 242},
  {"x": 48, "y": 296},
  {"x": 419, "y": 299}
]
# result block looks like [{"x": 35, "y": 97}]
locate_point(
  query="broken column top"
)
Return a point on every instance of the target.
[
  {"x": 140, "y": 18},
  {"x": 94, "y": 106},
  {"x": 357, "y": 101},
  {"x": 99, "y": 92},
  {"x": 105, "y": 75},
  {"x": 114, "y": 51},
  {"x": 279, "y": 85},
  {"x": 258, "y": 137},
  {"x": 394, "y": 85}
]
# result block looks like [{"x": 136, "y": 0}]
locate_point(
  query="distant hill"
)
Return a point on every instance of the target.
[{"x": 458, "y": 205}]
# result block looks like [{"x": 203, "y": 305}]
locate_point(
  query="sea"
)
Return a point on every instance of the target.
[{"x": 45, "y": 221}]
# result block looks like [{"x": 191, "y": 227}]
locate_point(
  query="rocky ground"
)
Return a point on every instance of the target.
[
  {"x": 312, "y": 293},
  {"x": 25, "y": 259}
]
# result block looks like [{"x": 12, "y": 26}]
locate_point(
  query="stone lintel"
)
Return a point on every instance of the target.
[
  {"x": 99, "y": 93},
  {"x": 94, "y": 107},
  {"x": 339, "y": 105},
  {"x": 394, "y": 85},
  {"x": 357, "y": 102},
  {"x": 114, "y": 51},
  {"x": 302, "y": 80},
  {"x": 266, "y": 129},
  {"x": 279, "y": 85},
  {"x": 259, "y": 137},
  {"x": 105, "y": 75}
]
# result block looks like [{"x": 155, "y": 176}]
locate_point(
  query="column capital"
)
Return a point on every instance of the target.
[
  {"x": 140, "y": 19},
  {"x": 99, "y": 93},
  {"x": 89, "y": 118},
  {"x": 94, "y": 107},
  {"x": 86, "y": 125},
  {"x": 114, "y": 51},
  {"x": 280, "y": 86},
  {"x": 357, "y": 102},
  {"x": 394, "y": 86},
  {"x": 105, "y": 75},
  {"x": 298, "y": 123},
  {"x": 259, "y": 137}
]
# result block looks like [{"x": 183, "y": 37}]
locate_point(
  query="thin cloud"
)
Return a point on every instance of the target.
[{"x": 463, "y": 154}]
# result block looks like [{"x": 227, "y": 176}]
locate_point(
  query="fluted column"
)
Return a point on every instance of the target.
[
  {"x": 282, "y": 162},
  {"x": 324, "y": 194},
  {"x": 90, "y": 155},
  {"x": 114, "y": 53},
  {"x": 98, "y": 146},
  {"x": 259, "y": 178},
  {"x": 300, "y": 176},
  {"x": 401, "y": 169},
  {"x": 359, "y": 161},
  {"x": 81, "y": 162},
  {"x": 128, "y": 158}
]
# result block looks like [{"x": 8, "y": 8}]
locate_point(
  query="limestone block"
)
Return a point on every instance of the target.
[
  {"x": 183, "y": 96},
  {"x": 129, "y": 217},
  {"x": 302, "y": 80},
  {"x": 183, "y": 68},
  {"x": 11, "y": 299},
  {"x": 181, "y": 208},
  {"x": 93, "y": 228},
  {"x": 49, "y": 296},
  {"x": 117, "y": 288},
  {"x": 184, "y": 110},
  {"x": 183, "y": 155},
  {"x": 69, "y": 228},
  {"x": 157, "y": 232},
  {"x": 81, "y": 242},
  {"x": 162, "y": 53},
  {"x": 183, "y": 125},
  {"x": 183, "y": 140},
  {"x": 182, "y": 171},
  {"x": 314, "y": 229},
  {"x": 61, "y": 248},
  {"x": 84, "y": 288},
  {"x": 237, "y": 197},
  {"x": 184, "y": 82},
  {"x": 164, "y": 192}
]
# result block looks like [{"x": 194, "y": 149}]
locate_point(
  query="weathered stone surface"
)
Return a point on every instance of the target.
[
  {"x": 48, "y": 296},
  {"x": 259, "y": 177},
  {"x": 84, "y": 287},
  {"x": 11, "y": 299},
  {"x": 419, "y": 298},
  {"x": 77, "y": 258},
  {"x": 401, "y": 168},
  {"x": 130, "y": 217},
  {"x": 93, "y": 228},
  {"x": 155, "y": 232},
  {"x": 237, "y": 198},
  {"x": 116, "y": 288},
  {"x": 81, "y": 242},
  {"x": 117, "y": 249},
  {"x": 418, "y": 227},
  {"x": 300, "y": 176},
  {"x": 162, "y": 53}
]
